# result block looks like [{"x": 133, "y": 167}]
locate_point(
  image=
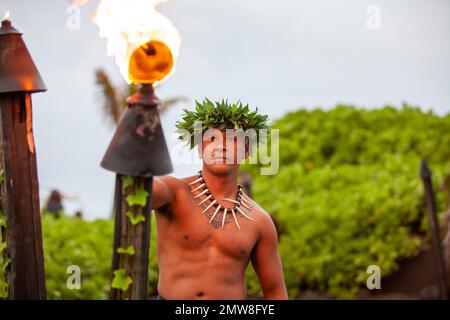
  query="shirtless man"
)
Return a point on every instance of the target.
[{"x": 202, "y": 260}]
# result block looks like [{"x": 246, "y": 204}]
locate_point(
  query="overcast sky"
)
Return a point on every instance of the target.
[{"x": 278, "y": 55}]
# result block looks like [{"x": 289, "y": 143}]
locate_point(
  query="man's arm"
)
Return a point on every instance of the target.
[
  {"x": 267, "y": 263},
  {"x": 163, "y": 191}
]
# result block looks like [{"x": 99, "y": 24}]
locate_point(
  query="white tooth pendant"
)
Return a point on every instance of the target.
[
  {"x": 245, "y": 198},
  {"x": 234, "y": 201},
  {"x": 206, "y": 199},
  {"x": 201, "y": 193},
  {"x": 231, "y": 200},
  {"x": 243, "y": 213},
  {"x": 242, "y": 203},
  {"x": 224, "y": 216},
  {"x": 215, "y": 212},
  {"x": 241, "y": 200},
  {"x": 246, "y": 206},
  {"x": 235, "y": 220},
  {"x": 210, "y": 205},
  {"x": 199, "y": 187},
  {"x": 194, "y": 182}
]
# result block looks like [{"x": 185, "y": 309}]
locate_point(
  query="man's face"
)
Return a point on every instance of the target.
[{"x": 222, "y": 151}]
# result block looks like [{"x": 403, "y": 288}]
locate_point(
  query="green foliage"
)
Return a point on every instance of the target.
[
  {"x": 4, "y": 263},
  {"x": 139, "y": 198},
  {"x": 153, "y": 269},
  {"x": 121, "y": 280},
  {"x": 135, "y": 218},
  {"x": 219, "y": 115},
  {"x": 348, "y": 193},
  {"x": 127, "y": 181},
  {"x": 347, "y": 135},
  {"x": 89, "y": 245},
  {"x": 2, "y": 221},
  {"x": 4, "y": 259},
  {"x": 128, "y": 251}
]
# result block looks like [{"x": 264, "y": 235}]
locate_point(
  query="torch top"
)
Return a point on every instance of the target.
[
  {"x": 17, "y": 70},
  {"x": 7, "y": 28},
  {"x": 425, "y": 172},
  {"x": 145, "y": 96}
]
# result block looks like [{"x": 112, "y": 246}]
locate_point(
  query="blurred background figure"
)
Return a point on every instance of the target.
[
  {"x": 79, "y": 215},
  {"x": 54, "y": 204}
]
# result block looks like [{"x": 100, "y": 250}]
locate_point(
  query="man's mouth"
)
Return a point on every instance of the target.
[{"x": 221, "y": 158}]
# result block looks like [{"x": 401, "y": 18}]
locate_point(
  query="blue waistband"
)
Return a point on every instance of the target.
[{"x": 158, "y": 297}]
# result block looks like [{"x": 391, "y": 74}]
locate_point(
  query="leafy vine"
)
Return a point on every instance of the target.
[
  {"x": 4, "y": 259},
  {"x": 138, "y": 200}
]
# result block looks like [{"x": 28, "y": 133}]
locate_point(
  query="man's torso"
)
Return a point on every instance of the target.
[{"x": 197, "y": 260}]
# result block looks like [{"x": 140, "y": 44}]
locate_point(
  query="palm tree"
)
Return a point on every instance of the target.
[{"x": 114, "y": 97}]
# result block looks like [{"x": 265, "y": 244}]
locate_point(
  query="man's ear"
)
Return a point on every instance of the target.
[{"x": 247, "y": 150}]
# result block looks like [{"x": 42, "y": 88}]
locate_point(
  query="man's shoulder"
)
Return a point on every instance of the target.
[
  {"x": 259, "y": 214},
  {"x": 264, "y": 222},
  {"x": 177, "y": 183}
]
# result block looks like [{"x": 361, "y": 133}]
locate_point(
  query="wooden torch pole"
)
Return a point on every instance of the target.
[
  {"x": 19, "y": 188},
  {"x": 137, "y": 152},
  {"x": 434, "y": 229}
]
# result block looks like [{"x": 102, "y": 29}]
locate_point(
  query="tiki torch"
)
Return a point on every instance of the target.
[
  {"x": 137, "y": 152},
  {"x": 434, "y": 229},
  {"x": 19, "y": 190},
  {"x": 145, "y": 46}
]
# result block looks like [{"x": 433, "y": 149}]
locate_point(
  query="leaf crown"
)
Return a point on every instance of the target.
[{"x": 219, "y": 115}]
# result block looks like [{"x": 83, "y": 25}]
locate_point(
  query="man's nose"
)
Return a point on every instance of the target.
[{"x": 220, "y": 147}]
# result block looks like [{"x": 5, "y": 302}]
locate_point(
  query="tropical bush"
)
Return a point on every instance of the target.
[
  {"x": 348, "y": 193},
  {"x": 71, "y": 242}
]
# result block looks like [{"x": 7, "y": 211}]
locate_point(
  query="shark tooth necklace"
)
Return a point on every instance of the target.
[{"x": 219, "y": 215}]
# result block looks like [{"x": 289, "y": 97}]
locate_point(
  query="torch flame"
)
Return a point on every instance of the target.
[
  {"x": 131, "y": 27},
  {"x": 7, "y": 14}
]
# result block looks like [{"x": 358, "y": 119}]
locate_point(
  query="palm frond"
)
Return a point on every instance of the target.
[
  {"x": 112, "y": 106},
  {"x": 114, "y": 99},
  {"x": 167, "y": 103}
]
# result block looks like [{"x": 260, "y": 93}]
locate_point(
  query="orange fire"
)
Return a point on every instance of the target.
[
  {"x": 144, "y": 43},
  {"x": 150, "y": 62}
]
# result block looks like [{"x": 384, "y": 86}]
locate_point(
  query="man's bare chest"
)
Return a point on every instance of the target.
[{"x": 192, "y": 230}]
